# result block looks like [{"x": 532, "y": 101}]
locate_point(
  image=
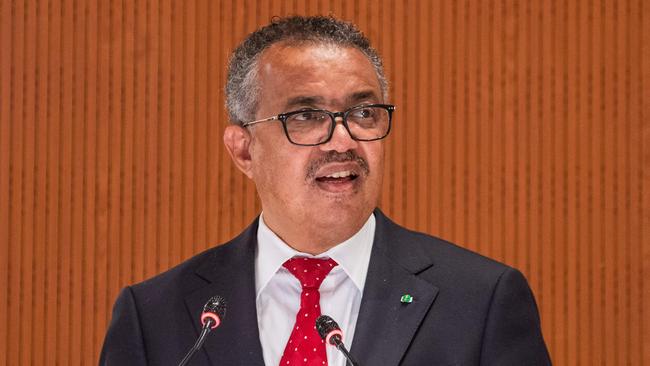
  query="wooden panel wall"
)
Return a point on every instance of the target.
[{"x": 522, "y": 132}]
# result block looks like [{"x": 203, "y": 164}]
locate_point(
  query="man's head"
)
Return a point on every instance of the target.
[
  {"x": 242, "y": 86},
  {"x": 313, "y": 197}
]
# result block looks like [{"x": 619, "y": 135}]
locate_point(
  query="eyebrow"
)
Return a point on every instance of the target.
[
  {"x": 362, "y": 95},
  {"x": 315, "y": 101},
  {"x": 301, "y": 101}
]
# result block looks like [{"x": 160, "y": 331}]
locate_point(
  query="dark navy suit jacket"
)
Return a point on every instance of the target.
[{"x": 466, "y": 309}]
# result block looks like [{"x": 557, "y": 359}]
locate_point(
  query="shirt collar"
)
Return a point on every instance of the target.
[{"x": 352, "y": 255}]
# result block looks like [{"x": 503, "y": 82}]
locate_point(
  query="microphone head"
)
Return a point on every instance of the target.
[
  {"x": 214, "y": 310},
  {"x": 217, "y": 305},
  {"x": 329, "y": 330}
]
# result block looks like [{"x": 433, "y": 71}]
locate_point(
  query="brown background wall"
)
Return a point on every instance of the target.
[{"x": 519, "y": 134}]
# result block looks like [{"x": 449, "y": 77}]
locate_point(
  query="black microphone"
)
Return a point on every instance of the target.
[
  {"x": 331, "y": 333},
  {"x": 214, "y": 311}
]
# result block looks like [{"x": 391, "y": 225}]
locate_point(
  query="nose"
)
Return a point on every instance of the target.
[{"x": 341, "y": 140}]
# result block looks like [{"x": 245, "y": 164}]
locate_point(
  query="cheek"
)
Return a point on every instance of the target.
[
  {"x": 277, "y": 170},
  {"x": 375, "y": 156}
]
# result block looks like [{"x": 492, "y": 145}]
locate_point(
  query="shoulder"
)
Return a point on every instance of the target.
[
  {"x": 198, "y": 270},
  {"x": 181, "y": 273},
  {"x": 446, "y": 261}
]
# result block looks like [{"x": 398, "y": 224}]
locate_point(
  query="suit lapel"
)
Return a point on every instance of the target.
[
  {"x": 386, "y": 326},
  {"x": 229, "y": 272}
]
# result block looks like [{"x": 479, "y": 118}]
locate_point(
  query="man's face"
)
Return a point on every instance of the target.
[{"x": 324, "y": 192}]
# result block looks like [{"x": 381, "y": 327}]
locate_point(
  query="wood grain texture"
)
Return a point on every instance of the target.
[{"x": 522, "y": 132}]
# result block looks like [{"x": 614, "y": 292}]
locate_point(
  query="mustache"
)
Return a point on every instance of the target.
[{"x": 337, "y": 157}]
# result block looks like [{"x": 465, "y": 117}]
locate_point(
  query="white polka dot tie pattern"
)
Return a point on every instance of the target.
[{"x": 305, "y": 347}]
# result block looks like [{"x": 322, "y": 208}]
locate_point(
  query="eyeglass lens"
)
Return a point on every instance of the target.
[{"x": 313, "y": 127}]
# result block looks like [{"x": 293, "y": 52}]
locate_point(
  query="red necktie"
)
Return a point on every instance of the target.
[{"x": 305, "y": 347}]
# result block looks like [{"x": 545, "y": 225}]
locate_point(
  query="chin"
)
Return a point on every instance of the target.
[{"x": 341, "y": 207}]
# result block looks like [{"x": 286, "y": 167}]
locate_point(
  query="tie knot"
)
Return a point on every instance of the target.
[{"x": 310, "y": 271}]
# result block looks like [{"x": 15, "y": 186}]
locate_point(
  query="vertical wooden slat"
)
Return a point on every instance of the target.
[
  {"x": 213, "y": 115},
  {"x": 609, "y": 146},
  {"x": 200, "y": 106},
  {"x": 622, "y": 218},
  {"x": 6, "y": 25},
  {"x": 471, "y": 144},
  {"x": 641, "y": 93},
  {"x": 629, "y": 342},
  {"x": 546, "y": 293},
  {"x": 497, "y": 131},
  {"x": 139, "y": 137},
  {"x": 641, "y": 125},
  {"x": 483, "y": 77},
  {"x": 186, "y": 105},
  {"x": 128, "y": 126},
  {"x": 176, "y": 131},
  {"x": 73, "y": 79},
  {"x": 99, "y": 108},
  {"x": 582, "y": 68},
  {"x": 67, "y": 255},
  {"x": 460, "y": 119},
  {"x": 14, "y": 296},
  {"x": 572, "y": 150},
  {"x": 423, "y": 91},
  {"x": 41, "y": 182},
  {"x": 526, "y": 89},
  {"x": 29, "y": 167},
  {"x": 163, "y": 120},
  {"x": 5, "y": 83},
  {"x": 94, "y": 217},
  {"x": 509, "y": 148},
  {"x": 559, "y": 191},
  {"x": 598, "y": 207},
  {"x": 149, "y": 11},
  {"x": 225, "y": 216},
  {"x": 444, "y": 32},
  {"x": 55, "y": 311}
]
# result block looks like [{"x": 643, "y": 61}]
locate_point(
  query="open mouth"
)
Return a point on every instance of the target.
[
  {"x": 338, "y": 172},
  {"x": 338, "y": 177}
]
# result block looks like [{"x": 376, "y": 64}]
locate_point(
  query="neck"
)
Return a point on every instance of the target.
[{"x": 308, "y": 237}]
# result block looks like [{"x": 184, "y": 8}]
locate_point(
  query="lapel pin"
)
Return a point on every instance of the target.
[{"x": 406, "y": 299}]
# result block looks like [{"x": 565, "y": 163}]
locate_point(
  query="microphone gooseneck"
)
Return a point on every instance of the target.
[
  {"x": 214, "y": 311},
  {"x": 331, "y": 333}
]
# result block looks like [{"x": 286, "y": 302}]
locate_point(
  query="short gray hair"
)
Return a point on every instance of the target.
[{"x": 242, "y": 90}]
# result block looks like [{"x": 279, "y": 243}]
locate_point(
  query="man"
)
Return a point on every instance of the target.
[{"x": 308, "y": 100}]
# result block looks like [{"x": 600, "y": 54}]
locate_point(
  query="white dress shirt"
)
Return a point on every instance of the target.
[{"x": 278, "y": 291}]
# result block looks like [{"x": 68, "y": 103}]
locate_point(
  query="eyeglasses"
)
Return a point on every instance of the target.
[{"x": 311, "y": 127}]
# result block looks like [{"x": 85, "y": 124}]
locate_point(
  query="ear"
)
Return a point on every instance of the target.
[{"x": 237, "y": 140}]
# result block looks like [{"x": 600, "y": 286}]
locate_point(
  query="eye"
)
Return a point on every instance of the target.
[
  {"x": 362, "y": 113},
  {"x": 306, "y": 116}
]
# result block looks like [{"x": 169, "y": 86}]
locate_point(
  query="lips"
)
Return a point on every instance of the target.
[
  {"x": 338, "y": 172},
  {"x": 338, "y": 176}
]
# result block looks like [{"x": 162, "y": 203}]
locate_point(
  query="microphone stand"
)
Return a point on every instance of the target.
[
  {"x": 207, "y": 327},
  {"x": 341, "y": 347}
]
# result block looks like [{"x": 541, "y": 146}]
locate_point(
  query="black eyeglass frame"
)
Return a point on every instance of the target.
[{"x": 282, "y": 117}]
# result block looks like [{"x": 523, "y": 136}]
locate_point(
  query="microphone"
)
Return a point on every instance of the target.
[
  {"x": 331, "y": 333},
  {"x": 214, "y": 311}
]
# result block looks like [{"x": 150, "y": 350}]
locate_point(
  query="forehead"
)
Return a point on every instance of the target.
[{"x": 330, "y": 74}]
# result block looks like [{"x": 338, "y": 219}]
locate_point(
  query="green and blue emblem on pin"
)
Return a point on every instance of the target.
[{"x": 406, "y": 299}]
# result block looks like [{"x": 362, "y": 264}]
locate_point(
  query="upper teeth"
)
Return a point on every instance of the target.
[{"x": 344, "y": 174}]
